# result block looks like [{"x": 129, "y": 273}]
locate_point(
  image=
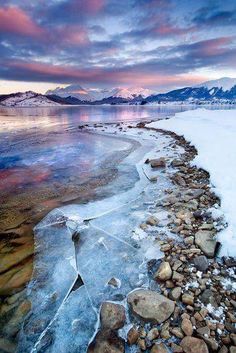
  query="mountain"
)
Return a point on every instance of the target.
[
  {"x": 216, "y": 91},
  {"x": 92, "y": 94},
  {"x": 26, "y": 99}
]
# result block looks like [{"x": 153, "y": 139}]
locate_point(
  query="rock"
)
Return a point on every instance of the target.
[
  {"x": 107, "y": 341},
  {"x": 177, "y": 332},
  {"x": 204, "y": 239},
  {"x": 177, "y": 163},
  {"x": 223, "y": 349},
  {"x": 212, "y": 344},
  {"x": 175, "y": 294},
  {"x": 114, "y": 282},
  {"x": 232, "y": 349},
  {"x": 204, "y": 331},
  {"x": 187, "y": 299},
  {"x": 159, "y": 348},
  {"x": 193, "y": 345},
  {"x": 208, "y": 297},
  {"x": 176, "y": 348},
  {"x": 187, "y": 327},
  {"x": 177, "y": 277},
  {"x": 201, "y": 263},
  {"x": 142, "y": 344},
  {"x": 158, "y": 163},
  {"x": 152, "y": 221},
  {"x": 132, "y": 336},
  {"x": 150, "y": 306},
  {"x": 164, "y": 272},
  {"x": 153, "y": 334},
  {"x": 112, "y": 316}
]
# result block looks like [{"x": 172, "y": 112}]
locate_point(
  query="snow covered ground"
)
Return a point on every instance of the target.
[{"x": 213, "y": 133}]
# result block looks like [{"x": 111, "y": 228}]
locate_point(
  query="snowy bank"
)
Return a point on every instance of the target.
[{"x": 213, "y": 133}]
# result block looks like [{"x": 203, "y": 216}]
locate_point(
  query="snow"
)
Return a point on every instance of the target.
[
  {"x": 225, "y": 82},
  {"x": 28, "y": 99},
  {"x": 93, "y": 94},
  {"x": 213, "y": 133}
]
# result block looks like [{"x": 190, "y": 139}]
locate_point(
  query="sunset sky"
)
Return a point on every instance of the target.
[{"x": 157, "y": 44}]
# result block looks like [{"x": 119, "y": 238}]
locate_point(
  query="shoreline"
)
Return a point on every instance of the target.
[{"x": 198, "y": 320}]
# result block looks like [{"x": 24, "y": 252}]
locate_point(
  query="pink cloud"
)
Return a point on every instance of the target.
[
  {"x": 15, "y": 20},
  {"x": 214, "y": 47},
  {"x": 72, "y": 35}
]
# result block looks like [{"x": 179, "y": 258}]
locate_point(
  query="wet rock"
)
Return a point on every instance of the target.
[
  {"x": 193, "y": 345},
  {"x": 187, "y": 327},
  {"x": 132, "y": 335},
  {"x": 107, "y": 341},
  {"x": 201, "y": 263},
  {"x": 150, "y": 306},
  {"x": 112, "y": 316},
  {"x": 159, "y": 348},
  {"x": 158, "y": 163},
  {"x": 114, "y": 282},
  {"x": 164, "y": 272},
  {"x": 204, "y": 239}
]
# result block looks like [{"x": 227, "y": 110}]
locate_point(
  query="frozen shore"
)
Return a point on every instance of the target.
[
  {"x": 213, "y": 133},
  {"x": 154, "y": 244}
]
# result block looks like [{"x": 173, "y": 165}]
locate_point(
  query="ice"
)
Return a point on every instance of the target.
[
  {"x": 213, "y": 133},
  {"x": 80, "y": 249}
]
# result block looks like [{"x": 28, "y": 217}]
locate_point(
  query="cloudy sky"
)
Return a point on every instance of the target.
[{"x": 157, "y": 44}]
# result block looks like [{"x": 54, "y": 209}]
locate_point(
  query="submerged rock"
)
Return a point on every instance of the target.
[{"x": 150, "y": 306}]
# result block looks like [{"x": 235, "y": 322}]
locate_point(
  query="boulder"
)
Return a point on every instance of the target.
[
  {"x": 150, "y": 306},
  {"x": 112, "y": 316},
  {"x": 106, "y": 341},
  {"x": 193, "y": 345},
  {"x": 206, "y": 242},
  {"x": 164, "y": 272}
]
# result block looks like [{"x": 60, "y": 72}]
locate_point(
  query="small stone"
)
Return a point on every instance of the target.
[
  {"x": 201, "y": 263},
  {"x": 206, "y": 242},
  {"x": 204, "y": 331},
  {"x": 112, "y": 316},
  {"x": 187, "y": 327},
  {"x": 132, "y": 336},
  {"x": 158, "y": 163},
  {"x": 212, "y": 344},
  {"x": 175, "y": 294},
  {"x": 114, "y": 282},
  {"x": 153, "y": 334},
  {"x": 141, "y": 343},
  {"x": 164, "y": 272},
  {"x": 193, "y": 345},
  {"x": 159, "y": 348},
  {"x": 177, "y": 332},
  {"x": 187, "y": 299},
  {"x": 177, "y": 277},
  {"x": 152, "y": 221},
  {"x": 223, "y": 349},
  {"x": 232, "y": 349}
]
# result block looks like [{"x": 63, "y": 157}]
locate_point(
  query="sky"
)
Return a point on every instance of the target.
[{"x": 156, "y": 44}]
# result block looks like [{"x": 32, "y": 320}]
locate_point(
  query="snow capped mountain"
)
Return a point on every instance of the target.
[
  {"x": 132, "y": 92},
  {"x": 92, "y": 94},
  {"x": 26, "y": 99},
  {"x": 226, "y": 83}
]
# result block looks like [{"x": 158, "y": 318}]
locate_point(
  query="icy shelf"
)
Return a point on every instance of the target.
[{"x": 82, "y": 248}]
